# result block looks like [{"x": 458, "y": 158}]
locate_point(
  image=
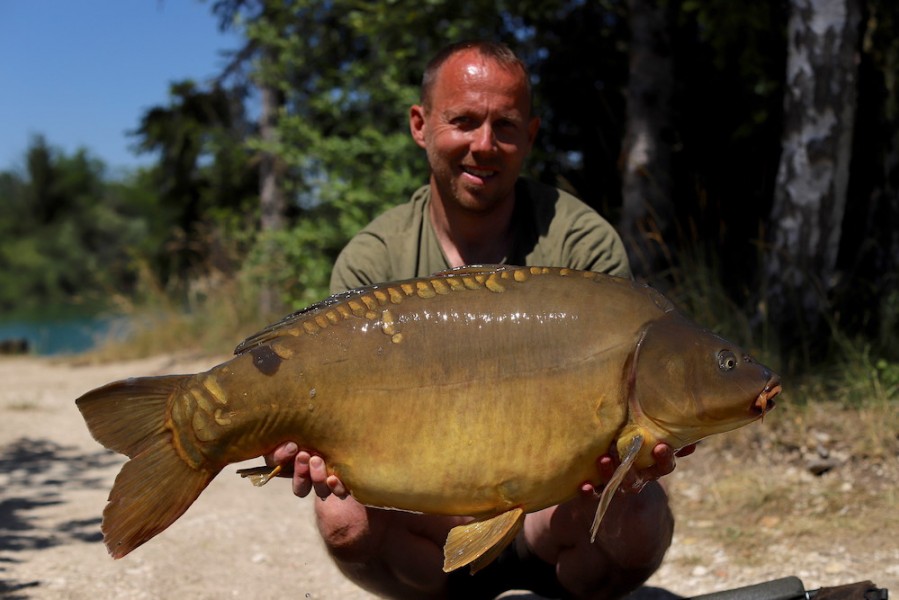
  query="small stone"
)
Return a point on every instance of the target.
[{"x": 819, "y": 466}]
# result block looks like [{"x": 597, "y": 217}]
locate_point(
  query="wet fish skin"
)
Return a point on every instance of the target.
[{"x": 476, "y": 392}]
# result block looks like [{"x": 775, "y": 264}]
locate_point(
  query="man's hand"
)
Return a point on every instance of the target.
[
  {"x": 665, "y": 461},
  {"x": 307, "y": 470}
]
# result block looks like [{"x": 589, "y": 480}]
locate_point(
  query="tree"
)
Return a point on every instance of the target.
[
  {"x": 810, "y": 199},
  {"x": 647, "y": 213},
  {"x": 250, "y": 65},
  {"x": 65, "y": 232},
  {"x": 204, "y": 176}
]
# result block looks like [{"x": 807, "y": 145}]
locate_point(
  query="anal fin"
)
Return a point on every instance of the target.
[
  {"x": 259, "y": 476},
  {"x": 479, "y": 542}
]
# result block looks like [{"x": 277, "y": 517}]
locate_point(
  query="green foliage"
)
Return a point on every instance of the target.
[
  {"x": 66, "y": 233},
  {"x": 204, "y": 178}
]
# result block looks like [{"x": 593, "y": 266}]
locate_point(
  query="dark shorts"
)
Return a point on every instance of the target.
[{"x": 517, "y": 568}]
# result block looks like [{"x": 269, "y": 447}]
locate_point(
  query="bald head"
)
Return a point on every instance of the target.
[{"x": 500, "y": 54}]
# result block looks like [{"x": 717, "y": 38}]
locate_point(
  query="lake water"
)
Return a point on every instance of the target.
[{"x": 69, "y": 335}]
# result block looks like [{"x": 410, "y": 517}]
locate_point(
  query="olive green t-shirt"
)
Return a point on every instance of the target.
[{"x": 552, "y": 229}]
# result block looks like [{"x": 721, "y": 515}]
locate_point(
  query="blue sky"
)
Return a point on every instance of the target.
[{"x": 82, "y": 72}]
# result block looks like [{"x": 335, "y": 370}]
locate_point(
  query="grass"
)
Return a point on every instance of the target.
[{"x": 214, "y": 315}]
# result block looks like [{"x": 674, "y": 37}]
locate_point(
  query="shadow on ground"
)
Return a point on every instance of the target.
[{"x": 39, "y": 473}]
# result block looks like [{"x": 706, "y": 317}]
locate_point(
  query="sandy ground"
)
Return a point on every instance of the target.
[{"x": 238, "y": 541}]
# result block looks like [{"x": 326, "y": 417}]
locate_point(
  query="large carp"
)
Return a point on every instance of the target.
[{"x": 485, "y": 391}]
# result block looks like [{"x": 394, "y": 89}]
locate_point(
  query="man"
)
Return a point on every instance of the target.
[{"x": 476, "y": 126}]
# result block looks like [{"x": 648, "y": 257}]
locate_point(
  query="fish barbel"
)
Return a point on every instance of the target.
[{"x": 482, "y": 391}]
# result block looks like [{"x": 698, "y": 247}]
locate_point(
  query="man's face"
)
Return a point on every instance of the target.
[{"x": 477, "y": 131}]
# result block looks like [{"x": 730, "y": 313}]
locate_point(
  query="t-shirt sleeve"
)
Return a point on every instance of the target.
[
  {"x": 363, "y": 261},
  {"x": 592, "y": 244},
  {"x": 576, "y": 236}
]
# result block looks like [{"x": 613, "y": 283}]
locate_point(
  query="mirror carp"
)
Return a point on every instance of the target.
[{"x": 481, "y": 391}]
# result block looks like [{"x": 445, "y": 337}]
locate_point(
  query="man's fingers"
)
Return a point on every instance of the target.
[
  {"x": 301, "y": 464},
  {"x": 282, "y": 455},
  {"x": 336, "y": 486},
  {"x": 664, "y": 457},
  {"x": 319, "y": 475},
  {"x": 311, "y": 474},
  {"x": 665, "y": 461},
  {"x": 302, "y": 486}
]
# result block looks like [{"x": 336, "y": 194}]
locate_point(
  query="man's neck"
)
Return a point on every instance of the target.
[{"x": 469, "y": 238}]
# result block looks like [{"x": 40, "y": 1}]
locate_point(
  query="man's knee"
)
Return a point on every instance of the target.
[{"x": 345, "y": 529}]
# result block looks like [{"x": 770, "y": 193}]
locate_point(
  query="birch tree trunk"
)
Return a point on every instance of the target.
[
  {"x": 812, "y": 179},
  {"x": 647, "y": 215}
]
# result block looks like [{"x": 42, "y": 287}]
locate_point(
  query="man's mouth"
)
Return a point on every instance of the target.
[{"x": 480, "y": 173}]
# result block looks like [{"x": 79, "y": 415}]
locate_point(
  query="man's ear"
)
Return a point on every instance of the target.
[{"x": 417, "y": 124}]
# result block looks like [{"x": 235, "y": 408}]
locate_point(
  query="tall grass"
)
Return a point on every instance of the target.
[{"x": 210, "y": 315}]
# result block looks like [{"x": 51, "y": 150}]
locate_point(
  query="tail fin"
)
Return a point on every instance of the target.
[{"x": 156, "y": 486}]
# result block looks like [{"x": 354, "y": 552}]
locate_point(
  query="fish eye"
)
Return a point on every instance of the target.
[{"x": 727, "y": 360}]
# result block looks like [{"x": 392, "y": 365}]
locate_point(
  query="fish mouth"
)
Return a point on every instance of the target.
[{"x": 765, "y": 400}]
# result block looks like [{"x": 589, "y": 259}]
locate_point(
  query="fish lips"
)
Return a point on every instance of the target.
[{"x": 764, "y": 402}]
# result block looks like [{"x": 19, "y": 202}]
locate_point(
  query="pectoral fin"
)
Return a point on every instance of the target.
[
  {"x": 259, "y": 476},
  {"x": 627, "y": 461},
  {"x": 479, "y": 542}
]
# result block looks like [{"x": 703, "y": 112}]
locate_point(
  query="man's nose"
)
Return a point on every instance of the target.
[{"x": 484, "y": 139}]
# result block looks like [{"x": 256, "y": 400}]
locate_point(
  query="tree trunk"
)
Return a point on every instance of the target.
[
  {"x": 272, "y": 203},
  {"x": 647, "y": 216},
  {"x": 271, "y": 196},
  {"x": 810, "y": 196}
]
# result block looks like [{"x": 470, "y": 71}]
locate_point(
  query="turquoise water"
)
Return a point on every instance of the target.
[{"x": 67, "y": 335}]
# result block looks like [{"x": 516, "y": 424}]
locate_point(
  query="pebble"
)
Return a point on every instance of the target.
[{"x": 820, "y": 466}]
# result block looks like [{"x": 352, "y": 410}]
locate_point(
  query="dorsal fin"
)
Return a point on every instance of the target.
[
  {"x": 472, "y": 270},
  {"x": 275, "y": 329}
]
